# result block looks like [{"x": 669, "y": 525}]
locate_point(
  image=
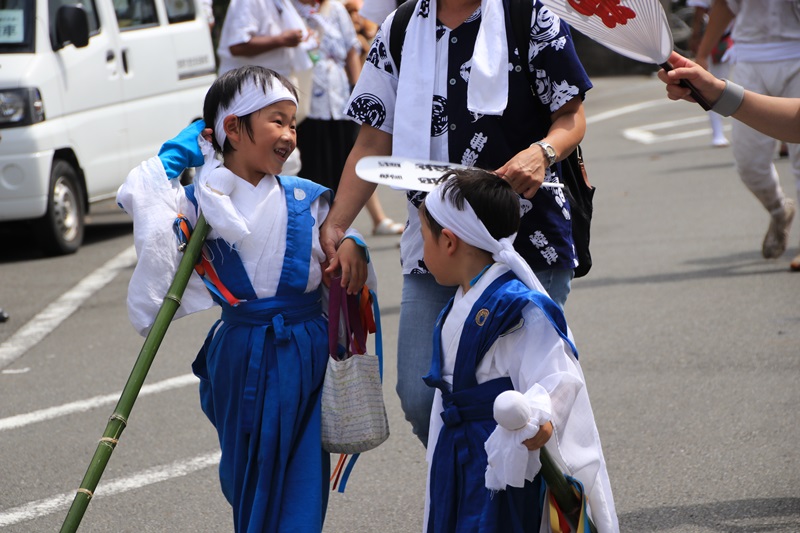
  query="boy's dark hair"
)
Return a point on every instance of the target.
[
  {"x": 492, "y": 198},
  {"x": 223, "y": 90}
]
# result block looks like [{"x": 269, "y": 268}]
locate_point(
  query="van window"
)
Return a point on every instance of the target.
[
  {"x": 133, "y": 14},
  {"x": 180, "y": 10},
  {"x": 87, "y": 5},
  {"x": 16, "y": 26}
]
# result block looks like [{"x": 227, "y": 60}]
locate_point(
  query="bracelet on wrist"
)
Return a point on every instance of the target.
[{"x": 730, "y": 100}]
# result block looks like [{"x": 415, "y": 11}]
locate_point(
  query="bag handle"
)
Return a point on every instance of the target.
[{"x": 336, "y": 293}]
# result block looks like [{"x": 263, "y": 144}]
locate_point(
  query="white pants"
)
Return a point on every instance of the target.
[
  {"x": 719, "y": 70},
  {"x": 754, "y": 151}
]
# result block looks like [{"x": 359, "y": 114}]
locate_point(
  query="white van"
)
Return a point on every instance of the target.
[{"x": 88, "y": 90}]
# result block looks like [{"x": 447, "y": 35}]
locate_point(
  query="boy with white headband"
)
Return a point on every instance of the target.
[
  {"x": 500, "y": 332},
  {"x": 262, "y": 365}
]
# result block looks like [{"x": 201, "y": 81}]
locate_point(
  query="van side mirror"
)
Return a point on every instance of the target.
[{"x": 72, "y": 25}]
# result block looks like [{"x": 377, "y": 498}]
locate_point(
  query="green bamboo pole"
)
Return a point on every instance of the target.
[
  {"x": 562, "y": 491},
  {"x": 119, "y": 419}
]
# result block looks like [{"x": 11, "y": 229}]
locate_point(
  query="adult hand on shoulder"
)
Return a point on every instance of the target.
[{"x": 525, "y": 171}]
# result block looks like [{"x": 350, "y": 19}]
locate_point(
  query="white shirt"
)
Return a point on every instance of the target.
[
  {"x": 766, "y": 30},
  {"x": 246, "y": 19}
]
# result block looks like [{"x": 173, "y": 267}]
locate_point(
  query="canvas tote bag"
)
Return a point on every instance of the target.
[{"x": 353, "y": 412}]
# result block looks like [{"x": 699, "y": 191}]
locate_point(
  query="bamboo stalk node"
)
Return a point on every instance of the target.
[
  {"x": 86, "y": 491},
  {"x": 173, "y": 298},
  {"x": 109, "y": 440},
  {"x": 117, "y": 416}
]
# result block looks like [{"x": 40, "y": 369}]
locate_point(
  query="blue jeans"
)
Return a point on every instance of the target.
[{"x": 422, "y": 301}]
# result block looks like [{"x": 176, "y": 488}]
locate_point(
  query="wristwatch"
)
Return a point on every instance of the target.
[{"x": 549, "y": 152}]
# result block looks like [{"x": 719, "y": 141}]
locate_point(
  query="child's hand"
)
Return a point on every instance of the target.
[
  {"x": 352, "y": 260},
  {"x": 541, "y": 438}
]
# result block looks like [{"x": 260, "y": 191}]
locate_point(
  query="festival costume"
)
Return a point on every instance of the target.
[
  {"x": 504, "y": 334},
  {"x": 462, "y": 136},
  {"x": 523, "y": 344},
  {"x": 263, "y": 363}
]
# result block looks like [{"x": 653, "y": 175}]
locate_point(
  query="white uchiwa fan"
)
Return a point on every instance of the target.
[
  {"x": 637, "y": 29},
  {"x": 410, "y": 174}
]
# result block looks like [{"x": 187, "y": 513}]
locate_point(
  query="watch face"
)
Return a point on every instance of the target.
[{"x": 549, "y": 151}]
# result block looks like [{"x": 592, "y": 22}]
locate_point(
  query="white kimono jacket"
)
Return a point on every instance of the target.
[{"x": 154, "y": 202}]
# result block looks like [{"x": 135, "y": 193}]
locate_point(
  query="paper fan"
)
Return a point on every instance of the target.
[
  {"x": 637, "y": 29},
  {"x": 409, "y": 174}
]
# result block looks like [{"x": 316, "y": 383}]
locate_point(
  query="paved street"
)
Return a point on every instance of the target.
[{"x": 689, "y": 340}]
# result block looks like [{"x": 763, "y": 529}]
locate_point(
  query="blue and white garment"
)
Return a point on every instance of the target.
[
  {"x": 262, "y": 365},
  {"x": 545, "y": 237},
  {"x": 528, "y": 350},
  {"x": 337, "y": 36}
]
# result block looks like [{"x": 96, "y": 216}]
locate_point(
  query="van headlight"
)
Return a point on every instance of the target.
[{"x": 20, "y": 107}]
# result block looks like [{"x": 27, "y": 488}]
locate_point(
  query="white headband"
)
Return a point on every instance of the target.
[
  {"x": 250, "y": 98},
  {"x": 467, "y": 226}
]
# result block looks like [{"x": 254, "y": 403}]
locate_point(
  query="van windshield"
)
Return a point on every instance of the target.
[{"x": 16, "y": 26}]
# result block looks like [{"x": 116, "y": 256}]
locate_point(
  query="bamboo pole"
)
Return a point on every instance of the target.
[
  {"x": 119, "y": 418},
  {"x": 562, "y": 491}
]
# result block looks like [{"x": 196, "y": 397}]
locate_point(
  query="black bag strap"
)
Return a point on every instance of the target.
[{"x": 398, "y": 32}]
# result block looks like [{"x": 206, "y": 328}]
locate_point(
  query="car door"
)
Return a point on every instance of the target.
[
  {"x": 90, "y": 93},
  {"x": 155, "y": 88}
]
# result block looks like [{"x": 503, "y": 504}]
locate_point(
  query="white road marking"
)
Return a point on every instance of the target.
[
  {"x": 36, "y": 509},
  {"x": 18, "y": 421},
  {"x": 54, "y": 314},
  {"x": 614, "y": 113},
  {"x": 648, "y": 133}
]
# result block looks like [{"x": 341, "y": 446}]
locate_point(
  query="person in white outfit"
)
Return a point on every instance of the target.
[
  {"x": 766, "y": 60},
  {"x": 718, "y": 63}
]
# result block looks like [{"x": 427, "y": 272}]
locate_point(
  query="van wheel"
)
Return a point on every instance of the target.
[{"x": 60, "y": 230}]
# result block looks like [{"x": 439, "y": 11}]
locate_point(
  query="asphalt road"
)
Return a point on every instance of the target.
[{"x": 689, "y": 340}]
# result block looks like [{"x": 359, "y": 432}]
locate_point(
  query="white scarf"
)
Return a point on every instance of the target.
[
  {"x": 467, "y": 226},
  {"x": 487, "y": 90}
]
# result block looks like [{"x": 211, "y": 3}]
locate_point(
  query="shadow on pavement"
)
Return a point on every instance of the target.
[{"x": 737, "y": 516}]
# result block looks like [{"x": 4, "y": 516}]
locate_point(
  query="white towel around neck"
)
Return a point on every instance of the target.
[{"x": 487, "y": 90}]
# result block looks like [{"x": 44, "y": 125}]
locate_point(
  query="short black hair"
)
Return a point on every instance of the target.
[
  {"x": 224, "y": 89},
  {"x": 491, "y": 197}
]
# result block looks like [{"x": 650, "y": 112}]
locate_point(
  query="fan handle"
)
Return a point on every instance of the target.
[{"x": 684, "y": 83}]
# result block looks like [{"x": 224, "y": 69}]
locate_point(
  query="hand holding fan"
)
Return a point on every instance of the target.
[
  {"x": 409, "y": 174},
  {"x": 637, "y": 29}
]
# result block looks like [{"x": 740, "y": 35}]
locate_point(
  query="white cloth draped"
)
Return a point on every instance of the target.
[
  {"x": 487, "y": 90},
  {"x": 154, "y": 202}
]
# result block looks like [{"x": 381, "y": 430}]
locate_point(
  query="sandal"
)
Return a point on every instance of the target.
[
  {"x": 387, "y": 226},
  {"x": 794, "y": 266}
]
